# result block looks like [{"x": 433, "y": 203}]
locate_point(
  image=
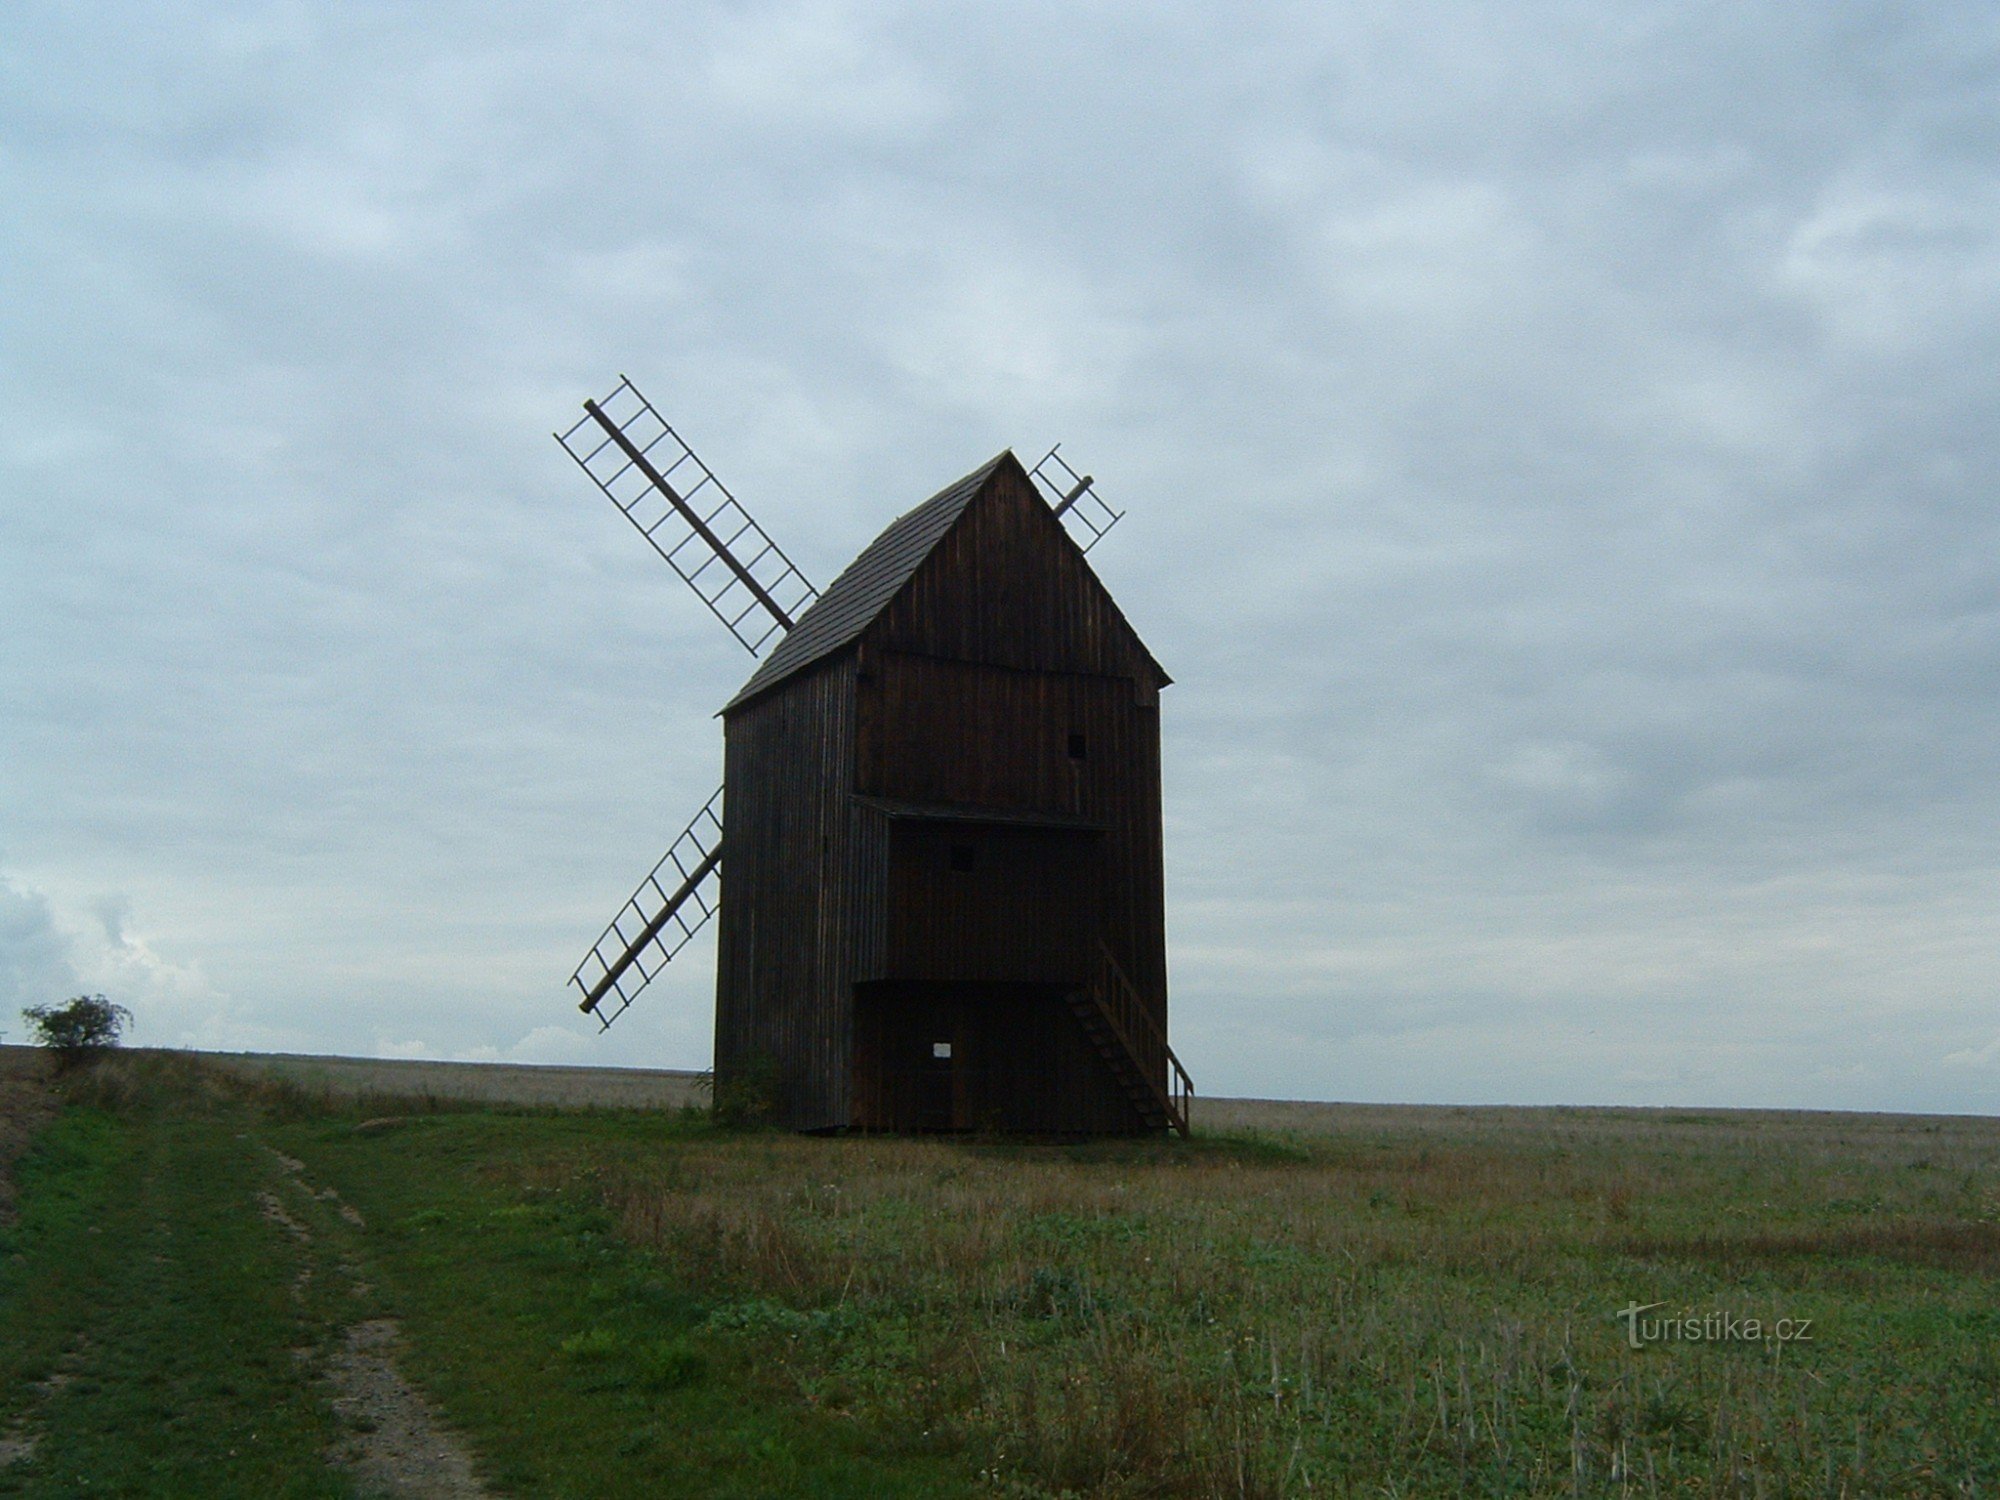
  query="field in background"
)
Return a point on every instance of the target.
[
  {"x": 1307, "y": 1299},
  {"x": 487, "y": 1083},
  {"x": 563, "y": 1087}
]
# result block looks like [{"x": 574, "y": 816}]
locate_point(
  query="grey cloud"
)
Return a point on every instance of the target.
[
  {"x": 35, "y": 966},
  {"x": 1557, "y": 443}
]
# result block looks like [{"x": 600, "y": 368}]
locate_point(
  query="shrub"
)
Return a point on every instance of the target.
[
  {"x": 747, "y": 1095},
  {"x": 78, "y": 1030}
]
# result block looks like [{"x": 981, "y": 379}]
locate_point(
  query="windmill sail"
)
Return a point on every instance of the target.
[
  {"x": 1076, "y": 504},
  {"x": 653, "y": 477},
  {"x": 671, "y": 905}
]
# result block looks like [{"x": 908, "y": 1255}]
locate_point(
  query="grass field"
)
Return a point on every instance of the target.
[{"x": 224, "y": 1285}]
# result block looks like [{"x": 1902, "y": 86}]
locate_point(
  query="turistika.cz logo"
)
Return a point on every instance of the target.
[{"x": 1708, "y": 1328}]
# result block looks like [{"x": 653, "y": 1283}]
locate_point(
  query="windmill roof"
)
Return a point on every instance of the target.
[{"x": 853, "y": 600}]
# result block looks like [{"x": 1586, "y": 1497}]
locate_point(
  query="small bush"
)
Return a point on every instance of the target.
[
  {"x": 671, "y": 1365},
  {"x": 78, "y": 1030},
  {"x": 747, "y": 1095}
]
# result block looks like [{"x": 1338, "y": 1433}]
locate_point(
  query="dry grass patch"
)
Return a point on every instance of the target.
[{"x": 1969, "y": 1248}]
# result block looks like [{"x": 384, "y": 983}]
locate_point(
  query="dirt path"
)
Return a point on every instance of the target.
[
  {"x": 398, "y": 1444},
  {"x": 395, "y": 1443},
  {"x": 18, "y": 1444}
]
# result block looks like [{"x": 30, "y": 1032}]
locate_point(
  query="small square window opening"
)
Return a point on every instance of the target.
[
  {"x": 941, "y": 1050},
  {"x": 961, "y": 856},
  {"x": 1078, "y": 747}
]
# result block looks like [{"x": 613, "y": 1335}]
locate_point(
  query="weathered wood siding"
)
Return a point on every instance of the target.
[
  {"x": 1018, "y": 1062},
  {"x": 868, "y": 878},
  {"x": 784, "y": 971},
  {"x": 1024, "y": 910},
  {"x": 941, "y": 731},
  {"x": 1007, "y": 587}
]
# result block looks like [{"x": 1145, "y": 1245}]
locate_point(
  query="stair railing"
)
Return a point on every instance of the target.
[{"x": 1132, "y": 1023}]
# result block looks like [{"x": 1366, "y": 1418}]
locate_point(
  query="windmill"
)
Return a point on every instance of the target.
[{"x": 947, "y": 902}]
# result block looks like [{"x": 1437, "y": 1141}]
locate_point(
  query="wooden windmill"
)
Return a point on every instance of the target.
[{"x": 946, "y": 902}]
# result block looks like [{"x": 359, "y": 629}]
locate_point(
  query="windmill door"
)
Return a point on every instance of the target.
[{"x": 912, "y": 1065}]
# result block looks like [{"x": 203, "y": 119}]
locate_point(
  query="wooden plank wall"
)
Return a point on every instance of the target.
[
  {"x": 1002, "y": 644},
  {"x": 784, "y": 983},
  {"x": 868, "y": 882},
  {"x": 942, "y": 731},
  {"x": 1026, "y": 911},
  {"x": 1007, "y": 587},
  {"x": 1019, "y": 1062}
]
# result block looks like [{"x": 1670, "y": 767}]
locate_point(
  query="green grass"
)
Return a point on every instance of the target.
[
  {"x": 633, "y": 1304},
  {"x": 146, "y": 1320}
]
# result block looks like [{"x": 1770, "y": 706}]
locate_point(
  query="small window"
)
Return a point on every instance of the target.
[
  {"x": 1078, "y": 747},
  {"x": 941, "y": 1050},
  {"x": 961, "y": 856}
]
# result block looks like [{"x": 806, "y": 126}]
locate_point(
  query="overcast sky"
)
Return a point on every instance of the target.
[{"x": 1559, "y": 443}]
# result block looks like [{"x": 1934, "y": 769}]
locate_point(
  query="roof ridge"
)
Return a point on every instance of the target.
[{"x": 866, "y": 586}]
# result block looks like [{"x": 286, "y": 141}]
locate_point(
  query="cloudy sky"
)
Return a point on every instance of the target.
[{"x": 1559, "y": 442}]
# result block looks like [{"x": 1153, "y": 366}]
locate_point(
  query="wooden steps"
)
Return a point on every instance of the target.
[{"x": 1123, "y": 1032}]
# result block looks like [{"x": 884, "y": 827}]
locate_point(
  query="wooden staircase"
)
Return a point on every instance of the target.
[{"x": 1125, "y": 1035}]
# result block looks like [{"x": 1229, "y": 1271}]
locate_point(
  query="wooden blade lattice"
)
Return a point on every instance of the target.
[
  {"x": 660, "y": 486},
  {"x": 1071, "y": 496},
  {"x": 672, "y": 904}
]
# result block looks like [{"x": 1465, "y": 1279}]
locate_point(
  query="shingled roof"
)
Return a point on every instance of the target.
[{"x": 853, "y": 600}]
